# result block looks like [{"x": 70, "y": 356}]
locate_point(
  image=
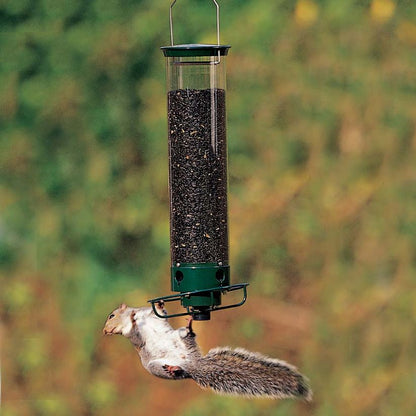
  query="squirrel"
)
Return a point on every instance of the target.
[{"x": 174, "y": 354}]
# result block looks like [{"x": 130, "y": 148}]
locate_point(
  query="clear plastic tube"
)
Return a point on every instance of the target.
[{"x": 198, "y": 167}]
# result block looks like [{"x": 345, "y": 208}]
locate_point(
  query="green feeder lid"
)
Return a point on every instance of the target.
[{"x": 195, "y": 49}]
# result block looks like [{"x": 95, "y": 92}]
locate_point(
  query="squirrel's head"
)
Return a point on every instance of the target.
[
  {"x": 123, "y": 319},
  {"x": 119, "y": 321}
]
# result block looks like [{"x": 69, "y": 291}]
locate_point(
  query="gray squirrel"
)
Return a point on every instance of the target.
[{"x": 174, "y": 354}]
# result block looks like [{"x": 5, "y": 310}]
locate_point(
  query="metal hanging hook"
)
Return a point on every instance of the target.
[{"x": 217, "y": 6}]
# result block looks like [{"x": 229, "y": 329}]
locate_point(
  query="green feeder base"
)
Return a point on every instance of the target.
[{"x": 190, "y": 277}]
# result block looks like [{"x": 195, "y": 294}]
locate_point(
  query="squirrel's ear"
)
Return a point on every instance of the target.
[{"x": 123, "y": 306}]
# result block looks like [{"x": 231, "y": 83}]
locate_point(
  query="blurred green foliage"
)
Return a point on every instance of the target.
[{"x": 322, "y": 152}]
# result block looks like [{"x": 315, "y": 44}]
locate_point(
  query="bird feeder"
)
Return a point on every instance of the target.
[{"x": 196, "y": 82}]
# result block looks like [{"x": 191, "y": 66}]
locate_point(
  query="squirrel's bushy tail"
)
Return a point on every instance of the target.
[{"x": 241, "y": 372}]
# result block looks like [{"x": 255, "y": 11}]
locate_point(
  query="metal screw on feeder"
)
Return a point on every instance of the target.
[{"x": 200, "y": 269}]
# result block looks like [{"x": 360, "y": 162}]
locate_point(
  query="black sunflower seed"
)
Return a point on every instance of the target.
[{"x": 198, "y": 175}]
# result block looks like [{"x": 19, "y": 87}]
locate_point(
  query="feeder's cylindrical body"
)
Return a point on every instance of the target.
[{"x": 198, "y": 169}]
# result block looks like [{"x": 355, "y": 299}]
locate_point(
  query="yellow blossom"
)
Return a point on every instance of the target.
[
  {"x": 306, "y": 12},
  {"x": 382, "y": 10},
  {"x": 406, "y": 32}
]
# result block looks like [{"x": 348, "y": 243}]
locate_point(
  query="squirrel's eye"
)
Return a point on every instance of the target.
[{"x": 111, "y": 316}]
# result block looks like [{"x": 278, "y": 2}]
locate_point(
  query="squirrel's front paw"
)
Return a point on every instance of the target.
[{"x": 160, "y": 307}]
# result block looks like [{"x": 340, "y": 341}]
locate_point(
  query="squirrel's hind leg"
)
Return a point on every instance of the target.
[
  {"x": 175, "y": 371},
  {"x": 160, "y": 368}
]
